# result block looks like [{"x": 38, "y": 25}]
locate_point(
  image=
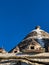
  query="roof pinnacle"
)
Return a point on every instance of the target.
[{"x": 37, "y": 27}]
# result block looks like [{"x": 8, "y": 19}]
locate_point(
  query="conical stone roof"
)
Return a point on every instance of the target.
[
  {"x": 35, "y": 37},
  {"x": 38, "y": 33}
]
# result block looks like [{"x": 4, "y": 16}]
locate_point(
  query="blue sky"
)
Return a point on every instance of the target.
[{"x": 19, "y": 17}]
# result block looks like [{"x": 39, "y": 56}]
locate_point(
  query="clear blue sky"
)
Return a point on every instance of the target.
[{"x": 19, "y": 17}]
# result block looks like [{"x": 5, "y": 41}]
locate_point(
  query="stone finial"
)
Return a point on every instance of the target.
[{"x": 37, "y": 27}]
